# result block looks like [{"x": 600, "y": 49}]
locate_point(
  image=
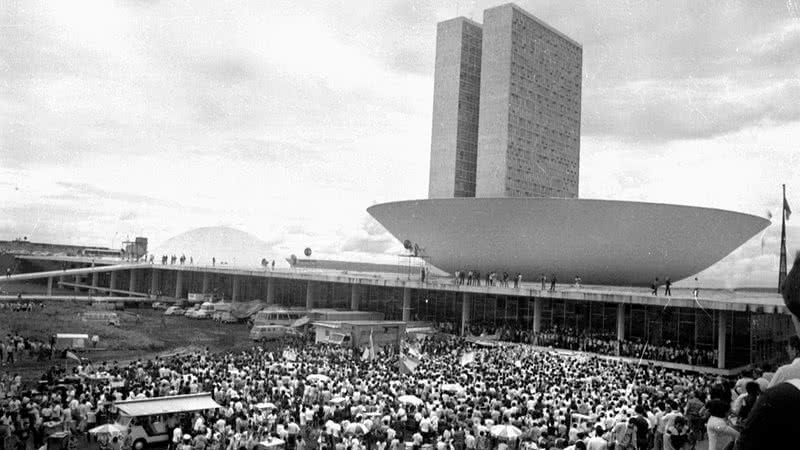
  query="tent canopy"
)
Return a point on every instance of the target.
[{"x": 166, "y": 405}]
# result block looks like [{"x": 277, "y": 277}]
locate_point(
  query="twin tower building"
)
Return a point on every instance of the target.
[{"x": 506, "y": 108}]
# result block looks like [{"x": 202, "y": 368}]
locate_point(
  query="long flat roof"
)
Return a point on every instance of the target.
[
  {"x": 166, "y": 405},
  {"x": 713, "y": 299}
]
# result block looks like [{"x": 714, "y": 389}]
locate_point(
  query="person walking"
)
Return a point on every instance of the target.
[
  {"x": 553, "y": 283},
  {"x": 667, "y": 284},
  {"x": 654, "y": 287}
]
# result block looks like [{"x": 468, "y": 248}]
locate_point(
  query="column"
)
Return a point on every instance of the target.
[
  {"x": 537, "y": 315},
  {"x": 112, "y": 280},
  {"x": 77, "y": 281},
  {"x": 406, "y": 304},
  {"x": 270, "y": 291},
  {"x": 95, "y": 279},
  {"x": 722, "y": 337},
  {"x": 235, "y": 289},
  {"x": 205, "y": 283},
  {"x": 311, "y": 294},
  {"x": 61, "y": 279},
  {"x": 620, "y": 324},
  {"x": 179, "y": 284},
  {"x": 50, "y": 287},
  {"x": 154, "y": 282},
  {"x": 132, "y": 282},
  {"x": 355, "y": 296},
  {"x": 466, "y": 311}
]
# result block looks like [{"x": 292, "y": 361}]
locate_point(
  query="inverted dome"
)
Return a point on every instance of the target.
[{"x": 602, "y": 241}]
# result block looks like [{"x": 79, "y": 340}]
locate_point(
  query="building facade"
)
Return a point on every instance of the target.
[
  {"x": 530, "y": 108},
  {"x": 506, "y": 108},
  {"x": 454, "y": 138}
]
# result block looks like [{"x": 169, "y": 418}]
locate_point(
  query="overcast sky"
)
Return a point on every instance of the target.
[{"x": 287, "y": 119}]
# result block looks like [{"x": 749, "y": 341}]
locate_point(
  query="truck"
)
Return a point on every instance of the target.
[
  {"x": 146, "y": 418},
  {"x": 360, "y": 334}
]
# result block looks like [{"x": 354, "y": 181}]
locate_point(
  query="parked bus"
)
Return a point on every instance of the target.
[{"x": 278, "y": 316}]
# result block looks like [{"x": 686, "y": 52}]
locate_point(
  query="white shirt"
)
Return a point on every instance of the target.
[
  {"x": 596, "y": 443},
  {"x": 786, "y": 372}
]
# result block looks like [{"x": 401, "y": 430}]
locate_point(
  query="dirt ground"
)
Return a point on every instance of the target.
[{"x": 143, "y": 333}]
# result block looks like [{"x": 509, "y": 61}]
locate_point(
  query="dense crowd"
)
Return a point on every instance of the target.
[
  {"x": 603, "y": 343},
  {"x": 333, "y": 398}
]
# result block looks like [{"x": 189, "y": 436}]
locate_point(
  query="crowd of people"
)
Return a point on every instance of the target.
[
  {"x": 330, "y": 397},
  {"x": 473, "y": 278},
  {"x": 444, "y": 392},
  {"x": 603, "y": 343}
]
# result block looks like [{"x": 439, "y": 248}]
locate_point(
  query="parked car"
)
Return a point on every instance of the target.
[
  {"x": 160, "y": 305},
  {"x": 224, "y": 317},
  {"x": 174, "y": 311},
  {"x": 190, "y": 313}
]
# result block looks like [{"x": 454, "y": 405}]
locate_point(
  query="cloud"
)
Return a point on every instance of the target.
[
  {"x": 287, "y": 118},
  {"x": 664, "y": 110},
  {"x": 371, "y": 237}
]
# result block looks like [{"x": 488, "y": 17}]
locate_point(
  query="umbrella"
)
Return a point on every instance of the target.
[
  {"x": 274, "y": 442},
  {"x": 336, "y": 400},
  {"x": 265, "y": 405},
  {"x": 356, "y": 428},
  {"x": 318, "y": 377},
  {"x": 452, "y": 387},
  {"x": 109, "y": 428},
  {"x": 506, "y": 431},
  {"x": 333, "y": 426},
  {"x": 410, "y": 399}
]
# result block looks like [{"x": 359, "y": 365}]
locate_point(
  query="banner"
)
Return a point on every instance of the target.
[
  {"x": 408, "y": 365},
  {"x": 467, "y": 358},
  {"x": 371, "y": 346}
]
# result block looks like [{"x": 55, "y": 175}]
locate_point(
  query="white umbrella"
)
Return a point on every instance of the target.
[
  {"x": 274, "y": 442},
  {"x": 109, "y": 428},
  {"x": 452, "y": 387},
  {"x": 506, "y": 431},
  {"x": 410, "y": 399},
  {"x": 318, "y": 377},
  {"x": 356, "y": 428},
  {"x": 265, "y": 405},
  {"x": 337, "y": 400}
]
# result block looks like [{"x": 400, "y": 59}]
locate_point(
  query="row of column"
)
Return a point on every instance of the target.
[{"x": 313, "y": 289}]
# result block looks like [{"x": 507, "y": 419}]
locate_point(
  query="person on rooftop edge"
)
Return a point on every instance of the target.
[{"x": 772, "y": 423}]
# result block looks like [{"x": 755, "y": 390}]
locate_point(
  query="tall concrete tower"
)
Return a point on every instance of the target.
[
  {"x": 456, "y": 94},
  {"x": 530, "y": 108},
  {"x": 507, "y": 108}
]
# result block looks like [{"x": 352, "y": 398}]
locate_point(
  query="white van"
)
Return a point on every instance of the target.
[
  {"x": 107, "y": 317},
  {"x": 205, "y": 312}
]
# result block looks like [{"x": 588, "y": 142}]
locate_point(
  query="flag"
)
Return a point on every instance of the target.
[
  {"x": 365, "y": 354},
  {"x": 467, "y": 358},
  {"x": 786, "y": 210},
  {"x": 289, "y": 355},
  {"x": 371, "y": 346},
  {"x": 408, "y": 364},
  {"x": 414, "y": 351},
  {"x": 71, "y": 355}
]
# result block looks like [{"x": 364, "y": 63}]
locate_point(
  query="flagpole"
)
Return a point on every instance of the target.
[{"x": 782, "y": 265}]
